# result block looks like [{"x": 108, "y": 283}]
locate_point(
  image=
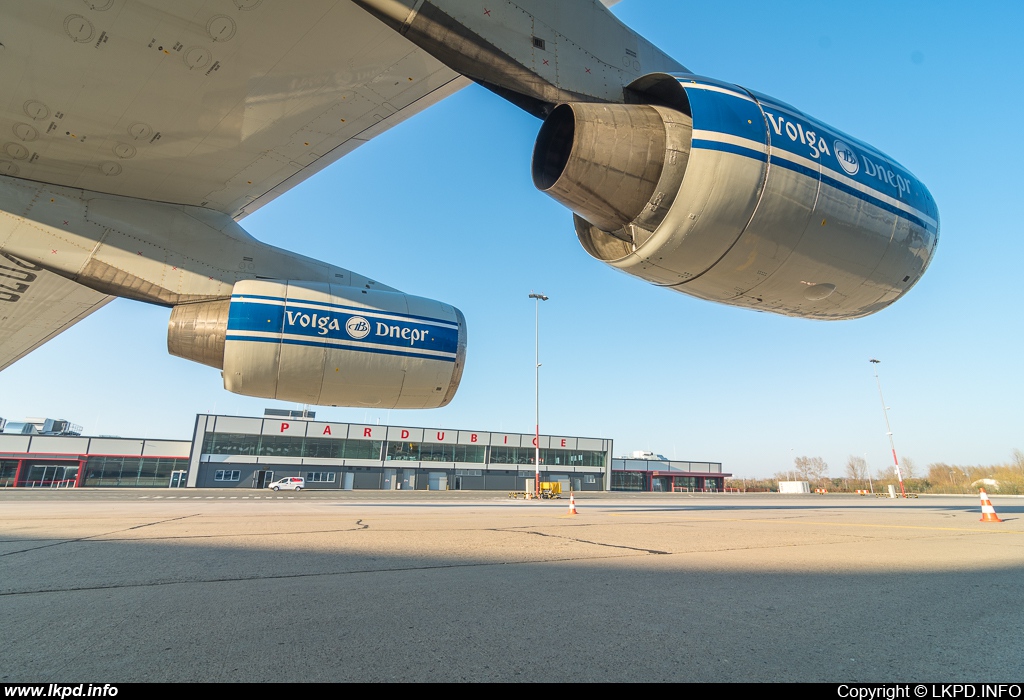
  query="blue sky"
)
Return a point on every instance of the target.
[{"x": 443, "y": 206}]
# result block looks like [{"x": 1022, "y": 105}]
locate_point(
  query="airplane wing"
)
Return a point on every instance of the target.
[
  {"x": 220, "y": 105},
  {"x": 36, "y": 305}
]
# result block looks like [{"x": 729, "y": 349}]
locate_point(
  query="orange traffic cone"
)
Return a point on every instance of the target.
[
  {"x": 572, "y": 504},
  {"x": 988, "y": 513}
]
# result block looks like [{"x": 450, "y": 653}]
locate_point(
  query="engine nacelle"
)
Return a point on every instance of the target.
[
  {"x": 731, "y": 196},
  {"x": 326, "y": 344}
]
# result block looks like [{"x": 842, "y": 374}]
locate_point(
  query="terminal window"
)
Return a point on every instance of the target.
[
  {"x": 227, "y": 475},
  {"x": 434, "y": 452},
  {"x": 115, "y": 470},
  {"x": 321, "y": 477},
  {"x": 289, "y": 446}
]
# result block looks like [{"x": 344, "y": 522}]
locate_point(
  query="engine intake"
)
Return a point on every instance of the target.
[
  {"x": 614, "y": 165},
  {"x": 196, "y": 331}
]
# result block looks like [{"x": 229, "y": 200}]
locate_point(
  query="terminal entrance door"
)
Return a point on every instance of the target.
[
  {"x": 261, "y": 478},
  {"x": 49, "y": 475},
  {"x": 178, "y": 479}
]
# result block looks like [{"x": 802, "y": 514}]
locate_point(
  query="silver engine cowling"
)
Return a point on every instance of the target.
[{"x": 326, "y": 344}]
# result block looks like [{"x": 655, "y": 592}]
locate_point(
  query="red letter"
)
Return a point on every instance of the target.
[
  {"x": 535, "y": 442},
  {"x": 506, "y": 439},
  {"x": 405, "y": 434},
  {"x": 367, "y": 432},
  {"x": 284, "y": 427},
  {"x": 472, "y": 438},
  {"x": 327, "y": 431},
  {"x": 440, "y": 435},
  {"x": 563, "y": 442}
]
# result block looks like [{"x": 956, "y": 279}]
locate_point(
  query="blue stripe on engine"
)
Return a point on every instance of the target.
[
  {"x": 322, "y": 325},
  {"x": 843, "y": 187},
  {"x": 355, "y": 309},
  {"x": 798, "y": 168},
  {"x": 376, "y": 351},
  {"x": 709, "y": 145},
  {"x": 730, "y": 148},
  {"x": 743, "y": 113}
]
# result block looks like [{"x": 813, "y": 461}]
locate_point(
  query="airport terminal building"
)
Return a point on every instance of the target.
[
  {"x": 229, "y": 451},
  {"x": 252, "y": 452},
  {"x": 240, "y": 452},
  {"x": 69, "y": 461},
  {"x": 663, "y": 475}
]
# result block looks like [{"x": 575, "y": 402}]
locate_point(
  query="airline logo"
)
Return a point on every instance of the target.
[
  {"x": 357, "y": 327},
  {"x": 851, "y": 165},
  {"x": 847, "y": 158}
]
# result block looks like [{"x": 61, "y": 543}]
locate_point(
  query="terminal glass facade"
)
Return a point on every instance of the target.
[
  {"x": 131, "y": 471},
  {"x": 629, "y": 481},
  {"x": 666, "y": 483},
  {"x": 48, "y": 474},
  {"x": 548, "y": 457},
  {"x": 667, "y": 476},
  {"x": 435, "y": 452},
  {"x": 288, "y": 446},
  {"x": 8, "y": 469},
  {"x": 330, "y": 448}
]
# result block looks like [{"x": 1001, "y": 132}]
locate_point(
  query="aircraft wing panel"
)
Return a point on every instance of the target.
[
  {"x": 36, "y": 305},
  {"x": 220, "y": 105}
]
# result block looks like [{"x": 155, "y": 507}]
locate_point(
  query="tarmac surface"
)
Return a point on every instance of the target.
[{"x": 107, "y": 586}]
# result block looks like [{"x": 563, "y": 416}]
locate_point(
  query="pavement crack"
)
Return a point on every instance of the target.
[
  {"x": 274, "y": 577},
  {"x": 92, "y": 537},
  {"x": 360, "y": 527},
  {"x": 576, "y": 539}
]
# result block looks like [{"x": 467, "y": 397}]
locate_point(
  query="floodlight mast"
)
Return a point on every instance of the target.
[
  {"x": 885, "y": 411},
  {"x": 538, "y": 298},
  {"x": 871, "y": 484}
]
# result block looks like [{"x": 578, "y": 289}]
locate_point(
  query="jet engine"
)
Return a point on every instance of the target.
[
  {"x": 729, "y": 195},
  {"x": 326, "y": 344}
]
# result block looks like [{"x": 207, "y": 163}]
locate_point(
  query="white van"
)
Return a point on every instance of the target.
[{"x": 294, "y": 483}]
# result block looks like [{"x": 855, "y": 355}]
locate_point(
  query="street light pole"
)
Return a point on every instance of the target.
[
  {"x": 867, "y": 468},
  {"x": 885, "y": 411},
  {"x": 538, "y": 298}
]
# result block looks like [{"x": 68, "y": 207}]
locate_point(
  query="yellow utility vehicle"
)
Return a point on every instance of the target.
[{"x": 548, "y": 489}]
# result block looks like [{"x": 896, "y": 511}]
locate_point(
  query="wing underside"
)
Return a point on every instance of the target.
[
  {"x": 36, "y": 305},
  {"x": 223, "y": 105}
]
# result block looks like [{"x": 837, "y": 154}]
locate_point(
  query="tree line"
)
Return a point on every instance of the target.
[{"x": 938, "y": 477}]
